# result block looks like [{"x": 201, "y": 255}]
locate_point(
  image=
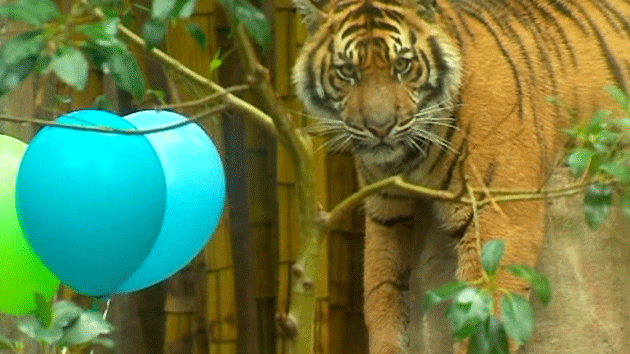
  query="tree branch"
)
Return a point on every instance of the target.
[
  {"x": 303, "y": 302},
  {"x": 253, "y": 112}
]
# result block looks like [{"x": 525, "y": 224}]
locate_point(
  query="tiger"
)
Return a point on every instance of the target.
[{"x": 452, "y": 94}]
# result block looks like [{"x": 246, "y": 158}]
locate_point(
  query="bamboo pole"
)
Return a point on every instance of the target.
[{"x": 302, "y": 308}]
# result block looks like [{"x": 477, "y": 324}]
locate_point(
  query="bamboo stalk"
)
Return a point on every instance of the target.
[{"x": 303, "y": 302}]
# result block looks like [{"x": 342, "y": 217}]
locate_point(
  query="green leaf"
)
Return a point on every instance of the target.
[
  {"x": 598, "y": 201},
  {"x": 216, "y": 62},
  {"x": 65, "y": 313},
  {"x": 490, "y": 338},
  {"x": 45, "y": 9},
  {"x": 158, "y": 95},
  {"x": 623, "y": 123},
  {"x": 620, "y": 96},
  {"x": 126, "y": 72},
  {"x": 252, "y": 18},
  {"x": 102, "y": 33},
  {"x": 105, "y": 342},
  {"x": 43, "y": 64},
  {"x": 154, "y": 31},
  {"x": 103, "y": 103},
  {"x": 539, "y": 282},
  {"x": 161, "y": 9},
  {"x": 43, "y": 310},
  {"x": 116, "y": 61},
  {"x": 71, "y": 67},
  {"x": 185, "y": 8},
  {"x": 617, "y": 170},
  {"x": 572, "y": 132},
  {"x": 25, "y": 45},
  {"x": 599, "y": 118},
  {"x": 469, "y": 309},
  {"x": 18, "y": 58},
  {"x": 518, "y": 317},
  {"x": 85, "y": 329},
  {"x": 12, "y": 75},
  {"x": 34, "y": 12},
  {"x": 100, "y": 54},
  {"x": 443, "y": 293},
  {"x": 579, "y": 160},
  {"x": 32, "y": 328},
  {"x": 197, "y": 34},
  {"x": 491, "y": 255},
  {"x": 608, "y": 138}
]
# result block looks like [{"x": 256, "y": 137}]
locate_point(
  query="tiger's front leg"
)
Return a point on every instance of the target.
[{"x": 386, "y": 283}]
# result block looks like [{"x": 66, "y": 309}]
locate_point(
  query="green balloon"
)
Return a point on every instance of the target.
[{"x": 22, "y": 274}]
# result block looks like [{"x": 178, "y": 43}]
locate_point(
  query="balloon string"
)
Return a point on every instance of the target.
[{"x": 109, "y": 301}]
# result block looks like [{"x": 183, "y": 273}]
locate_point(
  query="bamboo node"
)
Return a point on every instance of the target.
[
  {"x": 251, "y": 79},
  {"x": 298, "y": 270},
  {"x": 308, "y": 284},
  {"x": 323, "y": 217},
  {"x": 287, "y": 324},
  {"x": 263, "y": 73}
]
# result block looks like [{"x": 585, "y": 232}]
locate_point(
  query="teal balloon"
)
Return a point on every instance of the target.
[
  {"x": 195, "y": 193},
  {"x": 91, "y": 204}
]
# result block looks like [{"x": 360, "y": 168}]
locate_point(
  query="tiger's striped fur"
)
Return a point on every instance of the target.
[{"x": 421, "y": 88}]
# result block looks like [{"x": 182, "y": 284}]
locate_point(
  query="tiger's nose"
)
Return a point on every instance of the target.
[{"x": 380, "y": 129}]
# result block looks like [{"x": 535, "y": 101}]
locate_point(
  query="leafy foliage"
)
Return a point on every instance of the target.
[
  {"x": 165, "y": 11},
  {"x": 18, "y": 57},
  {"x": 253, "y": 19},
  {"x": 62, "y": 44},
  {"x": 62, "y": 324},
  {"x": 599, "y": 154},
  {"x": 489, "y": 338},
  {"x": 59, "y": 45},
  {"x": 471, "y": 313},
  {"x": 518, "y": 317},
  {"x": 34, "y": 12},
  {"x": 540, "y": 283},
  {"x": 70, "y": 66},
  {"x": 491, "y": 256}
]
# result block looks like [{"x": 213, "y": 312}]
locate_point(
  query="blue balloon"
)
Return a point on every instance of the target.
[
  {"x": 195, "y": 192},
  {"x": 91, "y": 204}
]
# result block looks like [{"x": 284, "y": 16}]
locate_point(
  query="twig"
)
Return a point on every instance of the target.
[
  {"x": 101, "y": 129},
  {"x": 253, "y": 112},
  {"x": 40, "y": 94},
  {"x": 205, "y": 100},
  {"x": 505, "y": 195},
  {"x": 484, "y": 188},
  {"x": 475, "y": 210},
  {"x": 355, "y": 199}
]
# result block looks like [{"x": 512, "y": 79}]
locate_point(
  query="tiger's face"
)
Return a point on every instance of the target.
[{"x": 379, "y": 79}]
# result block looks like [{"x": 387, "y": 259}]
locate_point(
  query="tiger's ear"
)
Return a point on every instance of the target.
[
  {"x": 426, "y": 9},
  {"x": 313, "y": 17}
]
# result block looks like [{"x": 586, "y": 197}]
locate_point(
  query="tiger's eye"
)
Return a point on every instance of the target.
[
  {"x": 402, "y": 65},
  {"x": 346, "y": 71}
]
